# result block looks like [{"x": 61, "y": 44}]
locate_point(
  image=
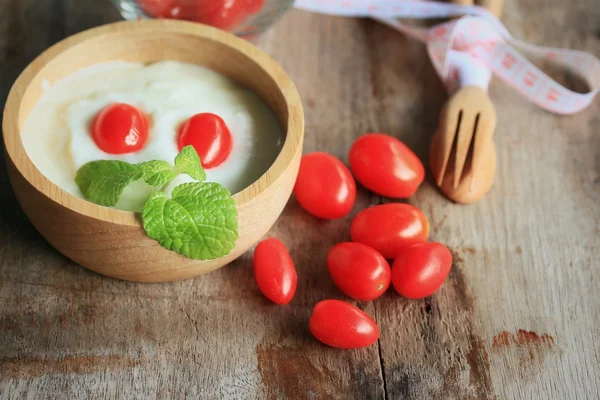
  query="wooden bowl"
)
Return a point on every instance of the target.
[{"x": 110, "y": 241}]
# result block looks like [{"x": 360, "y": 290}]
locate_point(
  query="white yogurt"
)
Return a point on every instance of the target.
[{"x": 57, "y": 134}]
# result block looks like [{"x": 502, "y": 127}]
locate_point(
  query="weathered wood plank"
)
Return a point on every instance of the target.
[
  {"x": 519, "y": 308},
  {"x": 518, "y": 317}
]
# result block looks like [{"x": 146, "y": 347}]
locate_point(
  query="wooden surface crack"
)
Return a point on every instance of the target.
[
  {"x": 382, "y": 368},
  {"x": 192, "y": 322}
]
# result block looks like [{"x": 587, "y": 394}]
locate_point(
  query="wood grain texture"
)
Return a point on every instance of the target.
[{"x": 517, "y": 319}]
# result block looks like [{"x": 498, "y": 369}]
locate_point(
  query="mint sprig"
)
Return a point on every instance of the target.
[{"x": 199, "y": 221}]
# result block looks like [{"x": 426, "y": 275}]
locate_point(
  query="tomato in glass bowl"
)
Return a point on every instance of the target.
[{"x": 246, "y": 18}]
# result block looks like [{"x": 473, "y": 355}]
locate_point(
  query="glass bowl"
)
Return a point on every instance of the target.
[{"x": 246, "y": 18}]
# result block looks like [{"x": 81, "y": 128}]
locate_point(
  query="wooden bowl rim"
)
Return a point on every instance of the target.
[{"x": 18, "y": 155}]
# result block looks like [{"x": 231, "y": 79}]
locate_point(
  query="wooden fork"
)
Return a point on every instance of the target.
[{"x": 462, "y": 154}]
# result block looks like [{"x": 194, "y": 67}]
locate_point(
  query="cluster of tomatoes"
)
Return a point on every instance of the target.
[
  {"x": 395, "y": 231},
  {"x": 223, "y": 14},
  {"x": 121, "y": 128}
]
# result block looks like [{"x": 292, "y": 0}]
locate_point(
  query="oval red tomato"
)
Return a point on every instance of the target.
[
  {"x": 274, "y": 271},
  {"x": 209, "y": 135},
  {"x": 324, "y": 187},
  {"x": 390, "y": 228},
  {"x": 420, "y": 270},
  {"x": 120, "y": 128},
  {"x": 340, "y": 324},
  {"x": 359, "y": 271},
  {"x": 385, "y": 165}
]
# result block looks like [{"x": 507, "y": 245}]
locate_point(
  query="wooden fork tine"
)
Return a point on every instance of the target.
[
  {"x": 480, "y": 143},
  {"x": 483, "y": 135},
  {"x": 450, "y": 118},
  {"x": 463, "y": 139}
]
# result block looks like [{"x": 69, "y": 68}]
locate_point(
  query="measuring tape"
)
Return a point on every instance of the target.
[{"x": 470, "y": 49}]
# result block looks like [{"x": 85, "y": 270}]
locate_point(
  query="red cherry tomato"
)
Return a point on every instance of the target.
[
  {"x": 384, "y": 165},
  {"x": 222, "y": 14},
  {"x": 325, "y": 188},
  {"x": 274, "y": 271},
  {"x": 421, "y": 269},
  {"x": 183, "y": 9},
  {"x": 340, "y": 324},
  {"x": 359, "y": 271},
  {"x": 254, "y": 6},
  {"x": 390, "y": 228},
  {"x": 209, "y": 135},
  {"x": 120, "y": 128},
  {"x": 157, "y": 8}
]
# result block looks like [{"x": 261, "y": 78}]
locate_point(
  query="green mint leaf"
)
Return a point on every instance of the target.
[
  {"x": 188, "y": 162},
  {"x": 102, "y": 182},
  {"x": 199, "y": 222},
  {"x": 157, "y": 173}
]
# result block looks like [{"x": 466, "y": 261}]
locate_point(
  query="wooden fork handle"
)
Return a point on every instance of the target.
[{"x": 493, "y": 6}]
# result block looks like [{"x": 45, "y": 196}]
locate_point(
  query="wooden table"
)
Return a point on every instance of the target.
[{"x": 518, "y": 318}]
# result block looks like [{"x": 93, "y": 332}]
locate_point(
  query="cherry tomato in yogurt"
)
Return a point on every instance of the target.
[
  {"x": 209, "y": 135},
  {"x": 274, "y": 271},
  {"x": 120, "y": 128},
  {"x": 342, "y": 325},
  {"x": 420, "y": 270},
  {"x": 324, "y": 187},
  {"x": 390, "y": 228},
  {"x": 359, "y": 270},
  {"x": 385, "y": 165}
]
